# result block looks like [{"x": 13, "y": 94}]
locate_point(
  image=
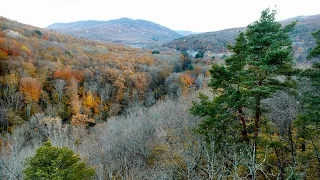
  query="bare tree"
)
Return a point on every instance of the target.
[
  {"x": 59, "y": 85},
  {"x": 199, "y": 81},
  {"x": 4, "y": 123},
  {"x": 282, "y": 110}
]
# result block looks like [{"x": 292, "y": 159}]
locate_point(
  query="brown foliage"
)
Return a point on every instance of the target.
[
  {"x": 30, "y": 88},
  {"x": 68, "y": 74},
  {"x": 10, "y": 80},
  {"x": 29, "y": 68},
  {"x": 81, "y": 120},
  {"x": 74, "y": 97},
  {"x": 78, "y": 61},
  {"x": 3, "y": 55}
]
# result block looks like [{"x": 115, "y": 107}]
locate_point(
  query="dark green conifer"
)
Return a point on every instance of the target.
[{"x": 261, "y": 64}]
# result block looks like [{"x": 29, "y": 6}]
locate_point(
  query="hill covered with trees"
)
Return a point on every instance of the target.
[
  {"x": 81, "y": 81},
  {"x": 138, "y": 33},
  {"x": 215, "y": 43},
  {"x": 114, "y": 112}
]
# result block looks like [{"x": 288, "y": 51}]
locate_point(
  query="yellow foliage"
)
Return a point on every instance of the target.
[
  {"x": 89, "y": 100},
  {"x": 3, "y": 55},
  {"x": 29, "y": 68},
  {"x": 10, "y": 80},
  {"x": 24, "y": 48}
]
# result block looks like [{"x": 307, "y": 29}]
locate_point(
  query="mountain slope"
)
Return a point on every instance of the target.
[
  {"x": 65, "y": 76},
  {"x": 124, "y": 30},
  {"x": 185, "y": 33},
  {"x": 216, "y": 42}
]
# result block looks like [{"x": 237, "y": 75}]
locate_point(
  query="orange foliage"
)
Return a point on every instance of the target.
[
  {"x": 140, "y": 82},
  {"x": 3, "y": 55},
  {"x": 68, "y": 74},
  {"x": 30, "y": 88},
  {"x": 81, "y": 120},
  {"x": 72, "y": 77},
  {"x": 125, "y": 69},
  {"x": 46, "y": 37},
  {"x": 186, "y": 81},
  {"x": 74, "y": 97},
  {"x": 77, "y": 75},
  {"x": 119, "y": 84},
  {"x": 64, "y": 74}
]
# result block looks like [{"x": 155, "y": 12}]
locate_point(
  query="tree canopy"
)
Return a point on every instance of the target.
[
  {"x": 261, "y": 64},
  {"x": 52, "y": 162}
]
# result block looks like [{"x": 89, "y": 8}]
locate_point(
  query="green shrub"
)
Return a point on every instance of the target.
[{"x": 52, "y": 162}]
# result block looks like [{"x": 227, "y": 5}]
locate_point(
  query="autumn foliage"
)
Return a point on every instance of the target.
[
  {"x": 3, "y": 55},
  {"x": 81, "y": 120},
  {"x": 68, "y": 74},
  {"x": 44, "y": 71},
  {"x": 30, "y": 88}
]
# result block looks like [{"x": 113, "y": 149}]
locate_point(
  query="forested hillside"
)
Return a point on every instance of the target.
[
  {"x": 215, "y": 43},
  {"x": 139, "y": 33},
  {"x": 59, "y": 75},
  {"x": 78, "y": 109}
]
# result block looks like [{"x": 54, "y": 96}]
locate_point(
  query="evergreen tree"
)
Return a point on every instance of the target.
[
  {"x": 261, "y": 64},
  {"x": 54, "y": 163},
  {"x": 270, "y": 61},
  {"x": 316, "y": 51},
  {"x": 227, "y": 82}
]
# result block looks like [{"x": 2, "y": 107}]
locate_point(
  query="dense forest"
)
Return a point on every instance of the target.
[
  {"x": 78, "y": 109},
  {"x": 59, "y": 75}
]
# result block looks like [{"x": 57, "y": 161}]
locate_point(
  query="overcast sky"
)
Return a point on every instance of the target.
[{"x": 192, "y": 15}]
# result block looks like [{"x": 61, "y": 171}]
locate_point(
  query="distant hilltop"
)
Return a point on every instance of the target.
[
  {"x": 124, "y": 31},
  {"x": 216, "y": 42}
]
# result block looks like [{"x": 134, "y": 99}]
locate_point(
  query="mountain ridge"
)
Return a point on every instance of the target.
[
  {"x": 124, "y": 30},
  {"x": 215, "y": 42}
]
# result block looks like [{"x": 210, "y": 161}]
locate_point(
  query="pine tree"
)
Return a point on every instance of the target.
[
  {"x": 270, "y": 61},
  {"x": 227, "y": 81},
  {"x": 315, "y": 51},
  {"x": 261, "y": 64}
]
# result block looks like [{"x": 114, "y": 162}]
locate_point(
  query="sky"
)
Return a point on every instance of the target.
[{"x": 190, "y": 15}]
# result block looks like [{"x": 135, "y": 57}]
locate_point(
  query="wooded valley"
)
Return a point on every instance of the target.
[{"x": 74, "y": 108}]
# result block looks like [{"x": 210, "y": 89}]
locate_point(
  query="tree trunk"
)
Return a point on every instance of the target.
[
  {"x": 257, "y": 116},
  {"x": 292, "y": 146},
  {"x": 243, "y": 123},
  {"x": 281, "y": 174}
]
